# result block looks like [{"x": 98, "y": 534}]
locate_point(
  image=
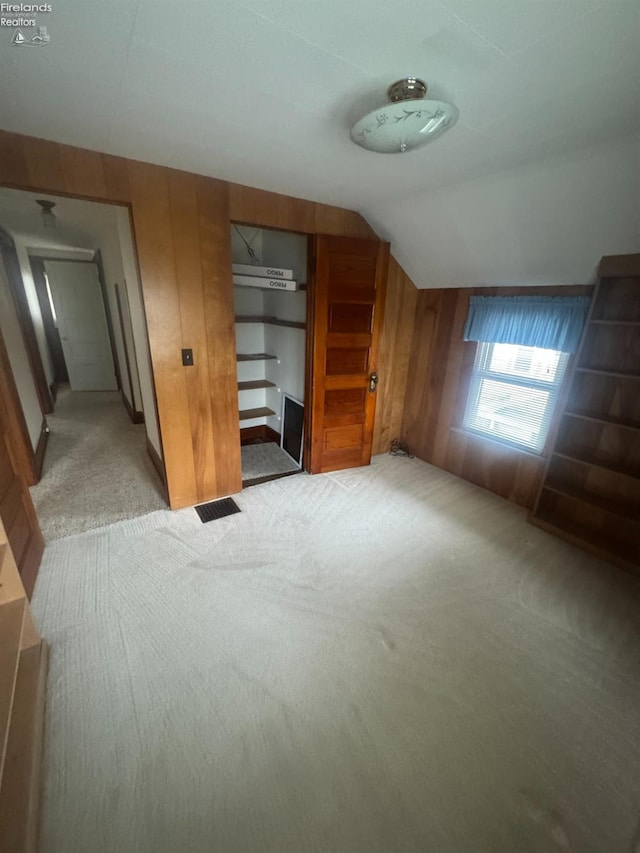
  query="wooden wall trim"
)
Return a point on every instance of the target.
[{"x": 181, "y": 227}]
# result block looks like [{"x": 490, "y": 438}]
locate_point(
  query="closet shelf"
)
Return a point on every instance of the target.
[
  {"x": 261, "y": 412},
  {"x": 616, "y": 422},
  {"x": 271, "y": 289},
  {"x": 254, "y": 356},
  {"x": 271, "y": 321},
  {"x": 257, "y": 383}
]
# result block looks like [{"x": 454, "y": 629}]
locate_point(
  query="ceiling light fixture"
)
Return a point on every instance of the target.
[
  {"x": 408, "y": 122},
  {"x": 46, "y": 213}
]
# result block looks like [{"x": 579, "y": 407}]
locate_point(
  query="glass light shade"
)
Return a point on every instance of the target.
[{"x": 396, "y": 128}]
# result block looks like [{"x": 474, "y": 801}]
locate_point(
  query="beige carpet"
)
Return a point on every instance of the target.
[
  {"x": 96, "y": 469},
  {"x": 380, "y": 660},
  {"x": 264, "y": 460}
]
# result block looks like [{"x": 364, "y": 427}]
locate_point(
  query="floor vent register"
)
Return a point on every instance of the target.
[{"x": 217, "y": 509}]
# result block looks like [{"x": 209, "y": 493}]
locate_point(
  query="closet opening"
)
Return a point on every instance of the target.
[{"x": 271, "y": 281}]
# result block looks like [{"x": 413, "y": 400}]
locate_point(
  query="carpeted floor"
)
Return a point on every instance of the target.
[
  {"x": 382, "y": 660},
  {"x": 262, "y": 460},
  {"x": 96, "y": 468}
]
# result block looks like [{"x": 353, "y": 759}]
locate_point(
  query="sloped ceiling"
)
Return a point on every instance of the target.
[{"x": 263, "y": 92}]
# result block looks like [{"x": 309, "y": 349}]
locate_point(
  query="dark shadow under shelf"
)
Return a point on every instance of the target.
[
  {"x": 254, "y": 356},
  {"x": 271, "y": 321}
]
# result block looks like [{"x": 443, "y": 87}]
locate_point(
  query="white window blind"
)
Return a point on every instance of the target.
[{"x": 513, "y": 393}]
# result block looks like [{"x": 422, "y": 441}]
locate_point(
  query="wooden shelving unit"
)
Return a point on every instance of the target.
[
  {"x": 23, "y": 668},
  {"x": 590, "y": 493},
  {"x": 270, "y": 327}
]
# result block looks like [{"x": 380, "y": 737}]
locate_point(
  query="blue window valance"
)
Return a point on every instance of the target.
[{"x": 548, "y": 322}]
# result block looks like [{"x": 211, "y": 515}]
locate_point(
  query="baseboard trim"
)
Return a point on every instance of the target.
[
  {"x": 261, "y": 432},
  {"x": 158, "y": 464},
  {"x": 41, "y": 449},
  {"x": 136, "y": 417}
]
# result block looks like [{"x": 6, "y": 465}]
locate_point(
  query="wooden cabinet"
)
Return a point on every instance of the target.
[{"x": 590, "y": 493}]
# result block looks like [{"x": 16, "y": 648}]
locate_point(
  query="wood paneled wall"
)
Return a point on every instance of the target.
[
  {"x": 394, "y": 353},
  {"x": 439, "y": 371},
  {"x": 181, "y": 226},
  {"x": 271, "y": 210}
]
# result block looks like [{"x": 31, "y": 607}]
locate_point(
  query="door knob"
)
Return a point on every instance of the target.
[{"x": 373, "y": 381}]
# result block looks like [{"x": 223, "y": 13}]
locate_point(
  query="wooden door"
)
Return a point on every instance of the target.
[
  {"x": 16, "y": 508},
  {"x": 348, "y": 297},
  {"x": 82, "y": 321}
]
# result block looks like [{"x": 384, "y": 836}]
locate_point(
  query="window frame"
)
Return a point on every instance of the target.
[{"x": 478, "y": 370}]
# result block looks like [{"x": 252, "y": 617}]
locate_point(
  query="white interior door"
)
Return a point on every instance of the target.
[{"x": 82, "y": 323}]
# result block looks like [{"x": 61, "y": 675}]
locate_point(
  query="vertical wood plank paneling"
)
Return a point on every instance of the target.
[
  {"x": 450, "y": 345},
  {"x": 14, "y": 167},
  {"x": 215, "y": 258},
  {"x": 84, "y": 172},
  {"x": 187, "y": 248},
  {"x": 437, "y": 385},
  {"x": 151, "y": 211},
  {"x": 45, "y": 166},
  {"x": 422, "y": 395},
  {"x": 272, "y": 210},
  {"x": 395, "y": 349},
  {"x": 116, "y": 179}
]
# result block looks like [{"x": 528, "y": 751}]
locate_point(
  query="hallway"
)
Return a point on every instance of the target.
[{"x": 96, "y": 470}]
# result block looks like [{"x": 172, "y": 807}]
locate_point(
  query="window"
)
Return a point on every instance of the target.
[{"x": 513, "y": 393}]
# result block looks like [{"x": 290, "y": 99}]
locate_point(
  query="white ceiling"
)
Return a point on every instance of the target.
[{"x": 263, "y": 92}]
